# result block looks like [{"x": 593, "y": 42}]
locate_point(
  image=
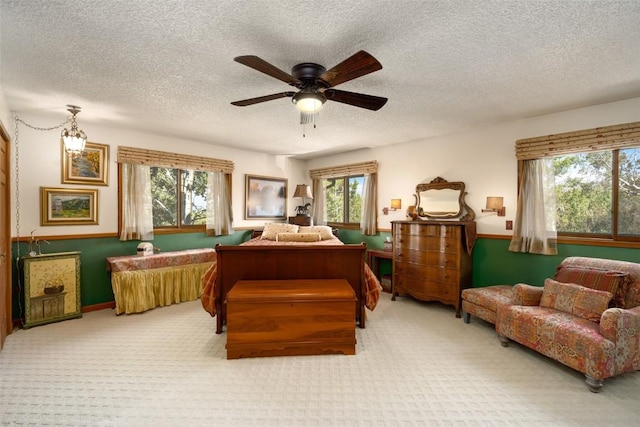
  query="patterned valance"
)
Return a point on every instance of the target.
[
  {"x": 141, "y": 156},
  {"x": 344, "y": 170},
  {"x": 602, "y": 138}
]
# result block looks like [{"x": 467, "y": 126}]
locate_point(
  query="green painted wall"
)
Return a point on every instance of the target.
[
  {"x": 492, "y": 261},
  {"x": 95, "y": 285}
]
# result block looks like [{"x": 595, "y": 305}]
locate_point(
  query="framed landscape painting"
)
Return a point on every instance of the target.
[
  {"x": 265, "y": 198},
  {"x": 68, "y": 206},
  {"x": 91, "y": 167}
]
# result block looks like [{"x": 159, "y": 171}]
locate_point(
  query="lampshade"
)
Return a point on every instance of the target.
[
  {"x": 396, "y": 204},
  {"x": 309, "y": 102},
  {"x": 495, "y": 202},
  {"x": 303, "y": 191},
  {"x": 74, "y": 139}
]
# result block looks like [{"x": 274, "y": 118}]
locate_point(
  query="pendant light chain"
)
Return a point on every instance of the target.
[
  {"x": 17, "y": 160},
  {"x": 17, "y": 183}
]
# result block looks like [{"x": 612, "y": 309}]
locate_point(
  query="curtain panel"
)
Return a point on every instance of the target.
[
  {"x": 219, "y": 212},
  {"x": 137, "y": 203},
  {"x": 369, "y": 219}
]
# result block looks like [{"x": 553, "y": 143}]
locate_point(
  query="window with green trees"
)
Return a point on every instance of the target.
[
  {"x": 598, "y": 194},
  {"x": 179, "y": 198},
  {"x": 344, "y": 199}
]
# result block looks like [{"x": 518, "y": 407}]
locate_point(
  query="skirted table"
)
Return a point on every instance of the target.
[{"x": 141, "y": 283}]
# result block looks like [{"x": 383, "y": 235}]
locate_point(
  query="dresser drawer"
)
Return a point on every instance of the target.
[
  {"x": 424, "y": 290},
  {"x": 443, "y": 259},
  {"x": 437, "y": 244},
  {"x": 421, "y": 272},
  {"x": 424, "y": 230}
]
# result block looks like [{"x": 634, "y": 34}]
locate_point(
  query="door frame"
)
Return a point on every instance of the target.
[{"x": 6, "y": 229}]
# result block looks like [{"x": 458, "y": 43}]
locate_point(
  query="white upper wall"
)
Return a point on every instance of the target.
[
  {"x": 40, "y": 166},
  {"x": 484, "y": 159}
]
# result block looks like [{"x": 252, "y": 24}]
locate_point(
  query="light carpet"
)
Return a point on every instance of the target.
[{"x": 415, "y": 365}]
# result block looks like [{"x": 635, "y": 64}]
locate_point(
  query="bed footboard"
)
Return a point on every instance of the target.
[{"x": 236, "y": 263}]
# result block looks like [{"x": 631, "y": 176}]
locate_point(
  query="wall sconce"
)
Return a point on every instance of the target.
[
  {"x": 396, "y": 204},
  {"x": 495, "y": 204}
]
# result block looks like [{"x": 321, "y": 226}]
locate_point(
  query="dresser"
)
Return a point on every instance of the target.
[{"x": 432, "y": 260}]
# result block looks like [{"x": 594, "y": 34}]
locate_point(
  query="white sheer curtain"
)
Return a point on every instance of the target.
[
  {"x": 534, "y": 230},
  {"x": 137, "y": 203},
  {"x": 219, "y": 213},
  {"x": 368, "y": 219},
  {"x": 319, "y": 202}
]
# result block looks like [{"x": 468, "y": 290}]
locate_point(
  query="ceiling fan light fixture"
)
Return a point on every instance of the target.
[{"x": 309, "y": 102}]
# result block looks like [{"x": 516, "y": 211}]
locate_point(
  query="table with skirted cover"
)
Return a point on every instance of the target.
[{"x": 141, "y": 283}]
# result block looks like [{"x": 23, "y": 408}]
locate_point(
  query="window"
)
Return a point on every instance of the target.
[
  {"x": 598, "y": 194},
  {"x": 344, "y": 199},
  {"x": 179, "y": 198}
]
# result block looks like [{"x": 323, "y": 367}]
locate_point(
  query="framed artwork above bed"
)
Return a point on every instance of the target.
[{"x": 265, "y": 197}]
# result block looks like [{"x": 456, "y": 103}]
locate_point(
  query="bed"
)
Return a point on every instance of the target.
[{"x": 287, "y": 257}]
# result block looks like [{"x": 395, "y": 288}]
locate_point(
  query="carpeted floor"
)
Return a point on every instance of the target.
[{"x": 416, "y": 365}]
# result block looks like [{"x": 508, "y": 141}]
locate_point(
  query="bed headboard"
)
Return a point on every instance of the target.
[{"x": 289, "y": 262}]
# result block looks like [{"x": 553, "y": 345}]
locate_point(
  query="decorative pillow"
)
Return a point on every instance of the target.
[
  {"x": 324, "y": 231},
  {"x": 578, "y": 300},
  {"x": 272, "y": 229},
  {"x": 298, "y": 237},
  {"x": 599, "y": 279}
]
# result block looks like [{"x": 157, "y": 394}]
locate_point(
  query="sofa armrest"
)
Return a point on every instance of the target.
[
  {"x": 619, "y": 325},
  {"x": 524, "y": 294}
]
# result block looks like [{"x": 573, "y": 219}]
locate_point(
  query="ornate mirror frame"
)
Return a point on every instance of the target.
[{"x": 464, "y": 213}]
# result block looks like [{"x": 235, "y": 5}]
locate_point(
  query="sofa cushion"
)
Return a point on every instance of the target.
[
  {"x": 580, "y": 301},
  {"x": 600, "y": 279},
  {"x": 272, "y": 229}
]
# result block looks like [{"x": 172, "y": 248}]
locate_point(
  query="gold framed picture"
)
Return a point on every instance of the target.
[
  {"x": 265, "y": 197},
  {"x": 68, "y": 206},
  {"x": 91, "y": 167}
]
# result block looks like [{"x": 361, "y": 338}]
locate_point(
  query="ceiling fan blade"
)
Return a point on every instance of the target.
[
  {"x": 259, "y": 99},
  {"x": 355, "y": 66},
  {"x": 369, "y": 102},
  {"x": 264, "y": 67}
]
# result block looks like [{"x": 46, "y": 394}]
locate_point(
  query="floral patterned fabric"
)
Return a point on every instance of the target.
[
  {"x": 599, "y": 350},
  {"x": 160, "y": 260},
  {"x": 615, "y": 282},
  {"x": 483, "y": 302},
  {"x": 570, "y": 298}
]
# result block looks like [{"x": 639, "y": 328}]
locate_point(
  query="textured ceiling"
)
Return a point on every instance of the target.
[{"x": 167, "y": 67}]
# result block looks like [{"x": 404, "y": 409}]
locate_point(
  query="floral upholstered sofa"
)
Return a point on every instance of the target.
[{"x": 587, "y": 317}]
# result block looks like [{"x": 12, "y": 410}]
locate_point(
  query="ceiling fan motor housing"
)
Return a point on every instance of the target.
[{"x": 307, "y": 73}]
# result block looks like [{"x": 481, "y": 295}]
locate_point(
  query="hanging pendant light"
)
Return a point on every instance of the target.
[{"x": 74, "y": 139}]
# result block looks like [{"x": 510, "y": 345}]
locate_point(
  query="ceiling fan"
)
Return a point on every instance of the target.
[{"x": 315, "y": 83}]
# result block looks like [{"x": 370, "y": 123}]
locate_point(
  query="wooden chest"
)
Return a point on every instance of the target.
[
  {"x": 290, "y": 317},
  {"x": 431, "y": 261}
]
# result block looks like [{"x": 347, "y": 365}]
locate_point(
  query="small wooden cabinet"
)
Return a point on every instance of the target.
[
  {"x": 301, "y": 220},
  {"x": 51, "y": 288},
  {"x": 432, "y": 260}
]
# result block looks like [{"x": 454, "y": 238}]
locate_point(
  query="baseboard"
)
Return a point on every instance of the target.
[{"x": 96, "y": 307}]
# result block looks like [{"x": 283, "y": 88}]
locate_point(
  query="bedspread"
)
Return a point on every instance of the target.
[{"x": 208, "y": 296}]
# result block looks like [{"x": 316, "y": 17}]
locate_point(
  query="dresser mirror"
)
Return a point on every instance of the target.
[{"x": 442, "y": 200}]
